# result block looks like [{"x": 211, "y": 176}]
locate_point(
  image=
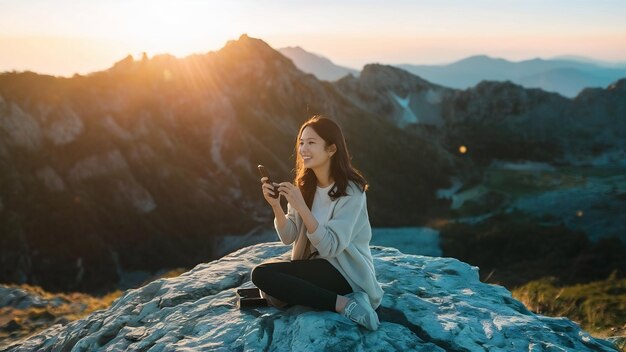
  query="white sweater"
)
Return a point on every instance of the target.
[
  {"x": 320, "y": 208},
  {"x": 343, "y": 240}
]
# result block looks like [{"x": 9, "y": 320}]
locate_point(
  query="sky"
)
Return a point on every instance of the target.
[{"x": 64, "y": 37}]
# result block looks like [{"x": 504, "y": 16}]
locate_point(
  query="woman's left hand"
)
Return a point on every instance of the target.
[{"x": 293, "y": 195}]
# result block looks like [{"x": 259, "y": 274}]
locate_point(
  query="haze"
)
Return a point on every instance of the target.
[{"x": 67, "y": 36}]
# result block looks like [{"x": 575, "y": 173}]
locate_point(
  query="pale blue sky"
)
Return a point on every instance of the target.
[{"x": 67, "y": 36}]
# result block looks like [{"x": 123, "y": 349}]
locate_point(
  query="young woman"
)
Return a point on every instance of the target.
[{"x": 331, "y": 265}]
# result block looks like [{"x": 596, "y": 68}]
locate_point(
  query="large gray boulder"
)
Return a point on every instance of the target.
[{"x": 430, "y": 304}]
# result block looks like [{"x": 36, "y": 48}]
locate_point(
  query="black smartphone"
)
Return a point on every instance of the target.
[
  {"x": 264, "y": 173},
  {"x": 252, "y": 292}
]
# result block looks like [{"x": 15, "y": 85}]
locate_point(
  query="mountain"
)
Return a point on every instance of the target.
[
  {"x": 564, "y": 76},
  {"x": 429, "y": 303},
  {"x": 566, "y": 81},
  {"x": 496, "y": 120},
  {"x": 584, "y": 59},
  {"x": 317, "y": 65},
  {"x": 147, "y": 165},
  {"x": 111, "y": 177}
]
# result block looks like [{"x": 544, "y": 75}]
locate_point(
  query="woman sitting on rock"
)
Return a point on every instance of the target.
[{"x": 331, "y": 265}]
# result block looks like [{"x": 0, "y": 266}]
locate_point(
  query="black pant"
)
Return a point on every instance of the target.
[{"x": 313, "y": 283}]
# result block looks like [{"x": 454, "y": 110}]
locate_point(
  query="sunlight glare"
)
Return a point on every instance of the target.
[{"x": 177, "y": 28}]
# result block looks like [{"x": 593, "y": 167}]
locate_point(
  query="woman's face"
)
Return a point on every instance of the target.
[{"x": 311, "y": 149}]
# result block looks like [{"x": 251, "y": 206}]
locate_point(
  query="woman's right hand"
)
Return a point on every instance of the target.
[{"x": 268, "y": 191}]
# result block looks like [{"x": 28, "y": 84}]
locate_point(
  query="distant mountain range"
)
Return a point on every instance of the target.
[
  {"x": 567, "y": 75},
  {"x": 315, "y": 64},
  {"x": 144, "y": 165}
]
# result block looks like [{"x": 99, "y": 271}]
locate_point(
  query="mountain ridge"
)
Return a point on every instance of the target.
[
  {"x": 318, "y": 65},
  {"x": 530, "y": 73}
]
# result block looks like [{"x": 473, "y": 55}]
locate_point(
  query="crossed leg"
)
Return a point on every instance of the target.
[{"x": 313, "y": 283}]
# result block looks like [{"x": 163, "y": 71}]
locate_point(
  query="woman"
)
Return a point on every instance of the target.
[{"x": 331, "y": 265}]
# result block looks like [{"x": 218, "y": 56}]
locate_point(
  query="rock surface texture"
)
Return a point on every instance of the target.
[{"x": 430, "y": 304}]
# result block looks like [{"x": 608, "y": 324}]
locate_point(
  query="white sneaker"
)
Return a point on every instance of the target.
[{"x": 359, "y": 310}]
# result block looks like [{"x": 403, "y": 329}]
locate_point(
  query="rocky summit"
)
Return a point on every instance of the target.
[{"x": 430, "y": 304}]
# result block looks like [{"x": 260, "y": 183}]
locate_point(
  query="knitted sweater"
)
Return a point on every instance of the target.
[{"x": 343, "y": 241}]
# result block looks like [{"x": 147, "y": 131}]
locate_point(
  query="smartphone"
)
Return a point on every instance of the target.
[
  {"x": 252, "y": 292},
  {"x": 264, "y": 173}
]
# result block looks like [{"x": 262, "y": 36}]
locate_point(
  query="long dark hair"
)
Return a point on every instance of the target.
[{"x": 341, "y": 169}]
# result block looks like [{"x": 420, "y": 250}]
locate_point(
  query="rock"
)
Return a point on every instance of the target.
[
  {"x": 26, "y": 310},
  {"x": 395, "y": 95},
  {"x": 18, "y": 298},
  {"x": 98, "y": 165},
  {"x": 113, "y": 128},
  {"x": 65, "y": 128},
  {"x": 619, "y": 85},
  {"x": 430, "y": 304},
  {"x": 51, "y": 179},
  {"x": 131, "y": 191},
  {"x": 12, "y": 326},
  {"x": 136, "y": 334},
  {"x": 21, "y": 127}
]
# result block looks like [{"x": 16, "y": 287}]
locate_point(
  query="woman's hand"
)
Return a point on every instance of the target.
[
  {"x": 268, "y": 191},
  {"x": 293, "y": 195}
]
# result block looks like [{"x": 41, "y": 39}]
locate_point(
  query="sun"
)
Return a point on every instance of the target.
[{"x": 177, "y": 27}]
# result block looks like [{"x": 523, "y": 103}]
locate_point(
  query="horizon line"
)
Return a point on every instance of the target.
[{"x": 136, "y": 56}]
